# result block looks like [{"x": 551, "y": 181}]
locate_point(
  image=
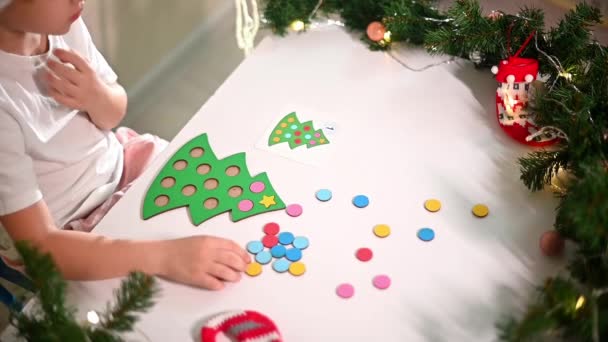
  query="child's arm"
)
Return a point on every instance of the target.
[
  {"x": 200, "y": 261},
  {"x": 80, "y": 88}
]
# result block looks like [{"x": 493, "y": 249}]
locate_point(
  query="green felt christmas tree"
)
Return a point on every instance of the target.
[
  {"x": 291, "y": 131},
  {"x": 195, "y": 178}
]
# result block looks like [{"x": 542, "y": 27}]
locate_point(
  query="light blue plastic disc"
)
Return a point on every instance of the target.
[
  {"x": 255, "y": 247},
  {"x": 300, "y": 242},
  {"x": 323, "y": 195},
  {"x": 281, "y": 265},
  {"x": 263, "y": 257}
]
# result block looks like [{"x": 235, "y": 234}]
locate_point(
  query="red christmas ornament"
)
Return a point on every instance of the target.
[
  {"x": 376, "y": 31},
  {"x": 551, "y": 243},
  {"x": 241, "y": 326},
  {"x": 515, "y": 76}
]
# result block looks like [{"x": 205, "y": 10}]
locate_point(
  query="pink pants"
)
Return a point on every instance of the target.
[{"x": 139, "y": 152}]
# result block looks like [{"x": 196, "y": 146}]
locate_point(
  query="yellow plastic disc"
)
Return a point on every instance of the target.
[
  {"x": 253, "y": 269},
  {"x": 276, "y": 139},
  {"x": 297, "y": 268},
  {"x": 480, "y": 210},
  {"x": 283, "y": 125},
  {"x": 278, "y": 131},
  {"x": 382, "y": 230},
  {"x": 432, "y": 205}
]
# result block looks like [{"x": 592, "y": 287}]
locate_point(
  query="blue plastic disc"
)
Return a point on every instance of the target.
[
  {"x": 263, "y": 257},
  {"x": 426, "y": 234},
  {"x": 323, "y": 195},
  {"x": 293, "y": 254},
  {"x": 278, "y": 251},
  {"x": 361, "y": 201},
  {"x": 300, "y": 242},
  {"x": 281, "y": 265},
  {"x": 255, "y": 247},
  {"x": 286, "y": 238}
]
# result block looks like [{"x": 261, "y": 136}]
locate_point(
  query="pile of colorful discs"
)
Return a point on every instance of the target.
[{"x": 285, "y": 248}]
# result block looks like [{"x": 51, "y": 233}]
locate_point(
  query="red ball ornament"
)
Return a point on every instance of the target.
[
  {"x": 551, "y": 243},
  {"x": 376, "y": 31}
]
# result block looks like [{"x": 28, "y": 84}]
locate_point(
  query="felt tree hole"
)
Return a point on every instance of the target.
[
  {"x": 211, "y": 184},
  {"x": 167, "y": 182},
  {"x": 189, "y": 190},
  {"x": 235, "y": 191},
  {"x": 161, "y": 200},
  {"x": 211, "y": 203},
  {"x": 197, "y": 152},
  {"x": 233, "y": 170},
  {"x": 180, "y": 165},
  {"x": 203, "y": 169}
]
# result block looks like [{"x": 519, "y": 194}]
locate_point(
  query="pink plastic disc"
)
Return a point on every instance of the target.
[
  {"x": 245, "y": 205},
  {"x": 345, "y": 291},
  {"x": 382, "y": 282},
  {"x": 294, "y": 210},
  {"x": 257, "y": 187}
]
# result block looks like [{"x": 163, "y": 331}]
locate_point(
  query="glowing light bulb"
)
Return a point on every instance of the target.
[
  {"x": 579, "y": 303},
  {"x": 92, "y": 317},
  {"x": 387, "y": 36},
  {"x": 297, "y": 25},
  {"x": 566, "y": 75}
]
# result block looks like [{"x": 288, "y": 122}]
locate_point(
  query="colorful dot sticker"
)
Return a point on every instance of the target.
[
  {"x": 278, "y": 251},
  {"x": 290, "y": 120},
  {"x": 294, "y": 210},
  {"x": 432, "y": 205},
  {"x": 298, "y": 133},
  {"x": 312, "y": 142},
  {"x": 287, "y": 135},
  {"x": 317, "y": 135},
  {"x": 270, "y": 241},
  {"x": 307, "y": 136},
  {"x": 253, "y": 269},
  {"x": 345, "y": 291},
  {"x": 307, "y": 128},
  {"x": 382, "y": 230},
  {"x": 361, "y": 201},
  {"x": 364, "y": 254},
  {"x": 276, "y": 139},
  {"x": 257, "y": 187},
  {"x": 426, "y": 234},
  {"x": 382, "y": 282},
  {"x": 263, "y": 257},
  {"x": 281, "y": 265},
  {"x": 283, "y": 125},
  {"x": 285, "y": 238},
  {"x": 294, "y": 126},
  {"x": 255, "y": 247},
  {"x": 300, "y": 242},
  {"x": 293, "y": 254},
  {"x": 323, "y": 195},
  {"x": 245, "y": 205},
  {"x": 278, "y": 131},
  {"x": 298, "y": 141},
  {"x": 297, "y": 268},
  {"x": 480, "y": 210},
  {"x": 271, "y": 228}
]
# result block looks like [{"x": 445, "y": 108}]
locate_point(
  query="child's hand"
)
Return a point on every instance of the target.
[
  {"x": 77, "y": 87},
  {"x": 204, "y": 261}
]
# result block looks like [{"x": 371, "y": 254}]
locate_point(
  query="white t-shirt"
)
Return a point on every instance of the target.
[{"x": 49, "y": 151}]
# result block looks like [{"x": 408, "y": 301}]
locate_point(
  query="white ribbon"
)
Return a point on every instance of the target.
[{"x": 246, "y": 25}]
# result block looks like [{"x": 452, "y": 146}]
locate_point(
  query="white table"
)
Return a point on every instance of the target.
[{"x": 405, "y": 137}]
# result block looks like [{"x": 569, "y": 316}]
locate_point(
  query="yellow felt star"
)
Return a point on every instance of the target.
[{"x": 268, "y": 201}]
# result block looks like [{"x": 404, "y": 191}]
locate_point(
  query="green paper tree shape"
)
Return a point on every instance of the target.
[
  {"x": 195, "y": 178},
  {"x": 290, "y": 130}
]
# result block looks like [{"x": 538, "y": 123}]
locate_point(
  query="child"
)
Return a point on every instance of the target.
[{"x": 59, "y": 100}]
